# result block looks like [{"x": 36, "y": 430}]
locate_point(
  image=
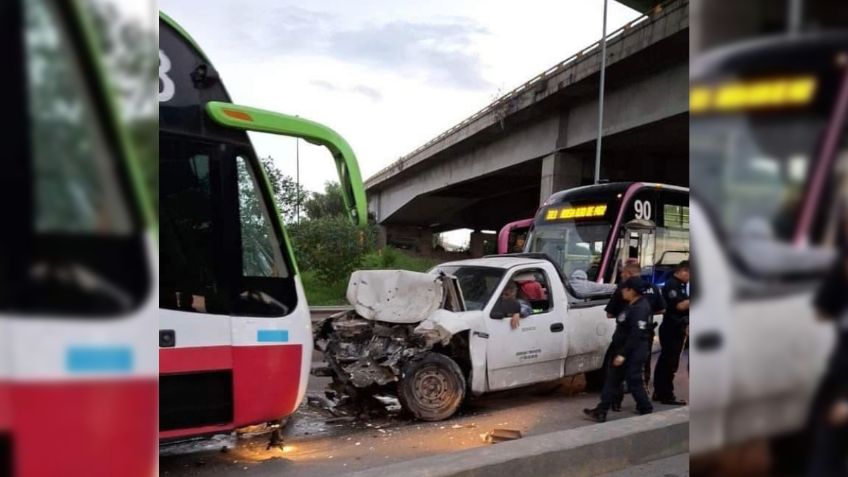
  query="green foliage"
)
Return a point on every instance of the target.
[
  {"x": 391, "y": 258},
  {"x": 287, "y": 192},
  {"x": 332, "y": 247},
  {"x": 326, "y": 204},
  {"x": 319, "y": 293}
]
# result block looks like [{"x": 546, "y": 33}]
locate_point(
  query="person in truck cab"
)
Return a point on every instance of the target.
[
  {"x": 631, "y": 347},
  {"x": 672, "y": 334},
  {"x": 509, "y": 305}
]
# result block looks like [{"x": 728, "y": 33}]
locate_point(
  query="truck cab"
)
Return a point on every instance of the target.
[{"x": 561, "y": 337}]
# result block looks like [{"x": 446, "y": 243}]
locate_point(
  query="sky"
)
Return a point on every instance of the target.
[{"x": 388, "y": 75}]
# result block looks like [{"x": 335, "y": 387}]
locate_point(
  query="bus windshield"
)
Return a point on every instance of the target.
[
  {"x": 752, "y": 170},
  {"x": 576, "y": 247}
]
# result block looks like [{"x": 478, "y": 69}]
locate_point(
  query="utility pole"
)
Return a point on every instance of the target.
[
  {"x": 795, "y": 16},
  {"x": 601, "y": 98}
]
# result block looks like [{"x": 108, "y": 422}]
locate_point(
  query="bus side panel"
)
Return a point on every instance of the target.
[
  {"x": 5, "y": 429},
  {"x": 266, "y": 382},
  {"x": 63, "y": 428}
]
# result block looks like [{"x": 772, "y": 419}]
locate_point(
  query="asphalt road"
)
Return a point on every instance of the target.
[
  {"x": 315, "y": 447},
  {"x": 676, "y": 466}
]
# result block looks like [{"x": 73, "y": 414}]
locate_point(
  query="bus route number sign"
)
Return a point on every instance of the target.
[{"x": 167, "y": 88}]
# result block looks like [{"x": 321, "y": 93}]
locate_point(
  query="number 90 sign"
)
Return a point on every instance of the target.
[{"x": 642, "y": 209}]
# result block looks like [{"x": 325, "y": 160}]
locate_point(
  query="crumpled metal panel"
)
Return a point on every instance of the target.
[{"x": 395, "y": 296}]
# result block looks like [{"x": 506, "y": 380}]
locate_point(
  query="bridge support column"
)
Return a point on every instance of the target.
[
  {"x": 475, "y": 245},
  {"x": 408, "y": 237},
  {"x": 425, "y": 242},
  {"x": 561, "y": 170}
]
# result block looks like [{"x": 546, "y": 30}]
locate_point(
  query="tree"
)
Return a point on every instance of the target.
[
  {"x": 331, "y": 246},
  {"x": 330, "y": 203},
  {"x": 287, "y": 192}
]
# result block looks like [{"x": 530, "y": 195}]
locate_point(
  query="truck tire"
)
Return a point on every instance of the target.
[{"x": 432, "y": 388}]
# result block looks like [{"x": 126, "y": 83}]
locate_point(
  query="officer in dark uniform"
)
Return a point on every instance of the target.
[
  {"x": 672, "y": 334},
  {"x": 615, "y": 310},
  {"x": 632, "y": 346},
  {"x": 830, "y": 407}
]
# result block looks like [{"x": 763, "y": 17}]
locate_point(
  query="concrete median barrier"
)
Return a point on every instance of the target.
[{"x": 584, "y": 451}]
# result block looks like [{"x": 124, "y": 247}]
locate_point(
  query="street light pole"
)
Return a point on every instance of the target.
[
  {"x": 601, "y": 98},
  {"x": 795, "y": 16}
]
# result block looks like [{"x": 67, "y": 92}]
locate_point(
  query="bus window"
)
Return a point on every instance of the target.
[
  {"x": 672, "y": 245},
  {"x": 77, "y": 188},
  {"x": 261, "y": 252},
  {"x": 82, "y": 255},
  {"x": 188, "y": 229}
]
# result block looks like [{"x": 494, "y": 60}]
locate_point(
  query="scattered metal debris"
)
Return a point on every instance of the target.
[
  {"x": 500, "y": 435},
  {"x": 464, "y": 426}
]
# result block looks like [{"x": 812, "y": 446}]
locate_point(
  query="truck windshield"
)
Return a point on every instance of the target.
[
  {"x": 478, "y": 284},
  {"x": 576, "y": 248}
]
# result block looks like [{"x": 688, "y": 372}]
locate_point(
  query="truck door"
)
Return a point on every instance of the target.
[
  {"x": 709, "y": 337},
  {"x": 535, "y": 351}
]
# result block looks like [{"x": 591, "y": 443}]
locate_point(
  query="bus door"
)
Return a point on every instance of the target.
[{"x": 637, "y": 243}]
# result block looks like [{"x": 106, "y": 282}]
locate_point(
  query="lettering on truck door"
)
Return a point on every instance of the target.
[{"x": 533, "y": 352}]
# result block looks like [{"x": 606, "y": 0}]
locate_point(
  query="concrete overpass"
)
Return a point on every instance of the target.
[{"x": 499, "y": 164}]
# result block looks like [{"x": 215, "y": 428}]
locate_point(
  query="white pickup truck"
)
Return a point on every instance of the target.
[{"x": 435, "y": 338}]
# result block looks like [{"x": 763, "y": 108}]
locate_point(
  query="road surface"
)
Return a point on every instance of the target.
[{"x": 316, "y": 448}]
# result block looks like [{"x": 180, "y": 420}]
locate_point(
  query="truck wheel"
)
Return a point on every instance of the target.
[
  {"x": 595, "y": 380},
  {"x": 432, "y": 388}
]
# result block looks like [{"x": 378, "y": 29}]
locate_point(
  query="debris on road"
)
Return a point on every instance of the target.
[
  {"x": 464, "y": 426},
  {"x": 500, "y": 435}
]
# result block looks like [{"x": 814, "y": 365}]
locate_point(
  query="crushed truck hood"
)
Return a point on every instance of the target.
[
  {"x": 395, "y": 296},
  {"x": 397, "y": 316}
]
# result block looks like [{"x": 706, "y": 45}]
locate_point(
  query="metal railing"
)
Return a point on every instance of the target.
[{"x": 655, "y": 12}]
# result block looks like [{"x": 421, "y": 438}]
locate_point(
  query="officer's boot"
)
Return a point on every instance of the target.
[{"x": 596, "y": 414}]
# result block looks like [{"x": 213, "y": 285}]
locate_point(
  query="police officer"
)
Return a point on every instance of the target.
[
  {"x": 631, "y": 348},
  {"x": 830, "y": 407},
  {"x": 672, "y": 334},
  {"x": 615, "y": 310}
]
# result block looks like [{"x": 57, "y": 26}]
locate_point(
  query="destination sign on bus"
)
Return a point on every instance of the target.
[
  {"x": 576, "y": 212},
  {"x": 748, "y": 95}
]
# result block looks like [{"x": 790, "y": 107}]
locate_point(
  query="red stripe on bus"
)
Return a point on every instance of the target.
[
  {"x": 184, "y": 360},
  {"x": 266, "y": 382},
  {"x": 5, "y": 407},
  {"x": 64, "y": 428}
]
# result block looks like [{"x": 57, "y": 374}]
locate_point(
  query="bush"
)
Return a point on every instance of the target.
[
  {"x": 392, "y": 258},
  {"x": 330, "y": 247},
  {"x": 319, "y": 293}
]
